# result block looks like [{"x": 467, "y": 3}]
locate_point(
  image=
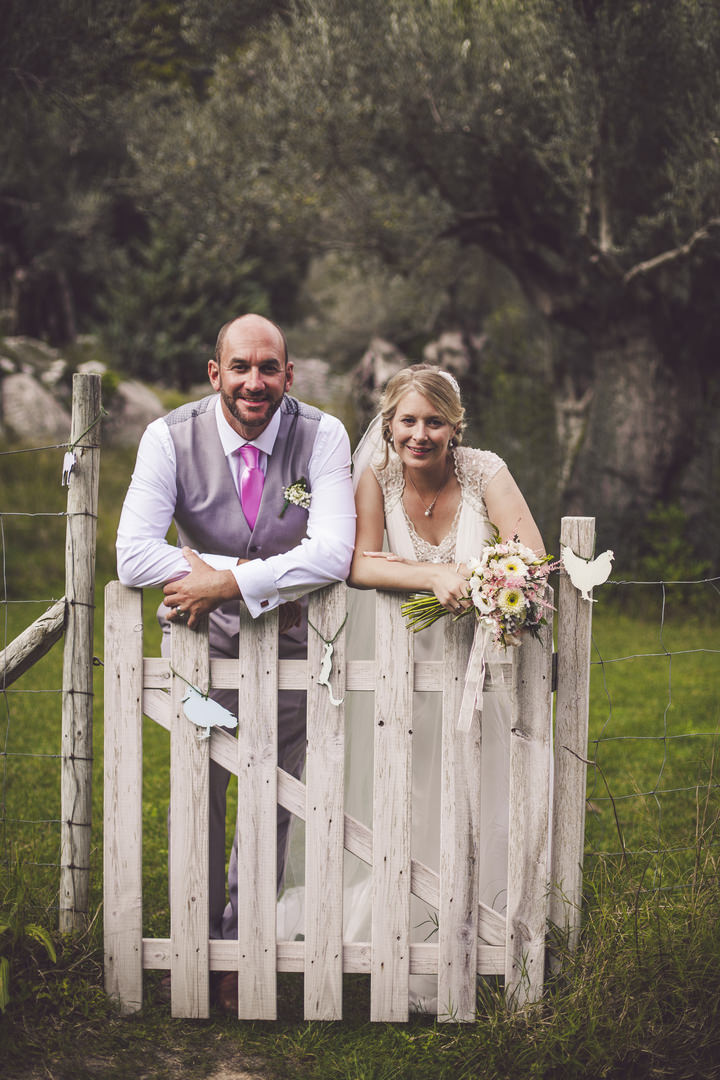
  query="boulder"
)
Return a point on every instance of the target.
[
  {"x": 379, "y": 363},
  {"x": 130, "y": 408},
  {"x": 30, "y": 413},
  {"x": 451, "y": 352}
]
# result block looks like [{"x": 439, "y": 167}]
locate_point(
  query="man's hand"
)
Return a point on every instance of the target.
[
  {"x": 198, "y": 592},
  {"x": 289, "y": 615}
]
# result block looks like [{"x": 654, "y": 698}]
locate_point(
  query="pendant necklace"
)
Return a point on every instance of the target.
[{"x": 429, "y": 509}]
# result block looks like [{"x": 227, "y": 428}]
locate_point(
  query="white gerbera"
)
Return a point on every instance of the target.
[
  {"x": 511, "y": 601},
  {"x": 513, "y": 566}
]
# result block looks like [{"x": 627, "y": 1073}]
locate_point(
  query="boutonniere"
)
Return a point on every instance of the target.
[{"x": 297, "y": 494}]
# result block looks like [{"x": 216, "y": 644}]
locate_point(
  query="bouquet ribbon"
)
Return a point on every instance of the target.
[{"x": 474, "y": 677}]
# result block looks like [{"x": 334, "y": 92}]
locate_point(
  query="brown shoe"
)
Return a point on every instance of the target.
[
  {"x": 164, "y": 991},
  {"x": 227, "y": 993}
]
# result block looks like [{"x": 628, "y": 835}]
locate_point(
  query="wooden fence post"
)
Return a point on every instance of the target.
[
  {"x": 571, "y": 735},
  {"x": 529, "y": 819},
  {"x": 77, "y": 696}
]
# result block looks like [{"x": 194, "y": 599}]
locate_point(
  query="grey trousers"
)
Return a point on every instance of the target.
[{"x": 291, "y": 757}]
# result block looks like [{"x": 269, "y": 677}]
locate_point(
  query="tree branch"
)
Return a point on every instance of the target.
[{"x": 674, "y": 253}]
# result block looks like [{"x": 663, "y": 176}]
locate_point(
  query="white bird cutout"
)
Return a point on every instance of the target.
[
  {"x": 206, "y": 713},
  {"x": 585, "y": 574}
]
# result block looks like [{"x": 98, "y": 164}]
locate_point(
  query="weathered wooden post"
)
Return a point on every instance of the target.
[
  {"x": 572, "y": 709},
  {"x": 77, "y": 696},
  {"x": 29, "y": 646}
]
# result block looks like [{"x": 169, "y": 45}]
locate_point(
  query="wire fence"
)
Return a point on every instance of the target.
[
  {"x": 31, "y": 541},
  {"x": 653, "y": 784},
  {"x": 33, "y": 737}
]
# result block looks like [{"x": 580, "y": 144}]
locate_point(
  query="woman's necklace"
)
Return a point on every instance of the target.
[{"x": 429, "y": 509}]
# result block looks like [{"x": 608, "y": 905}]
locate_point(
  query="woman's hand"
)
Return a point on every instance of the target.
[
  {"x": 450, "y": 585},
  {"x": 388, "y": 555}
]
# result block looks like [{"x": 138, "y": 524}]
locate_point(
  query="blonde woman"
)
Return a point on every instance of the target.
[{"x": 436, "y": 504}]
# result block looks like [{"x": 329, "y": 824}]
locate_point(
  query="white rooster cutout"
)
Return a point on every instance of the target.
[{"x": 585, "y": 574}]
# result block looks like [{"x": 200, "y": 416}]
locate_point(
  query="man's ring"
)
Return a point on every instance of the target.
[{"x": 179, "y": 613}]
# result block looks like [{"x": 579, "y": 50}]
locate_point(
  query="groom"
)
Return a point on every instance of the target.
[{"x": 219, "y": 467}]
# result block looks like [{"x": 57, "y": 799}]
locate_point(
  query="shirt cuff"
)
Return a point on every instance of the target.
[
  {"x": 220, "y": 562},
  {"x": 256, "y": 582}
]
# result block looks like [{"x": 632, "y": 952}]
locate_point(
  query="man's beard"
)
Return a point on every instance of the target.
[{"x": 231, "y": 404}]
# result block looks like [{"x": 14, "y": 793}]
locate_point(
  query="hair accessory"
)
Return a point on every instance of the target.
[{"x": 451, "y": 379}]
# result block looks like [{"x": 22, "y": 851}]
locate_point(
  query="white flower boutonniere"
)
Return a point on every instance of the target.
[{"x": 297, "y": 494}]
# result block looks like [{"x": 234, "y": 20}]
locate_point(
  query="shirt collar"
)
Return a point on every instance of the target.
[{"x": 231, "y": 441}]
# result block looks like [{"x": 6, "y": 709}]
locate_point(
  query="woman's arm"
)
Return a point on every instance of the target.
[
  {"x": 370, "y": 572},
  {"x": 508, "y": 511}
]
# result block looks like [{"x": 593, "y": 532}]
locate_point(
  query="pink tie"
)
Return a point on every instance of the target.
[{"x": 251, "y": 483}]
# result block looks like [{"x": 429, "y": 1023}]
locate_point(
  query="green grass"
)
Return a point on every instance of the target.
[{"x": 639, "y": 998}]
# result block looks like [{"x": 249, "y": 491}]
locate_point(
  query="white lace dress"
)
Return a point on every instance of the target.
[{"x": 469, "y": 532}]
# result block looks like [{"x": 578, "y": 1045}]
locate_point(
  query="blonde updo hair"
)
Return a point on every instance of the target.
[{"x": 440, "y": 389}]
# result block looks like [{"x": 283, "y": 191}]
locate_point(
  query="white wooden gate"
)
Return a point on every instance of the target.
[{"x": 473, "y": 939}]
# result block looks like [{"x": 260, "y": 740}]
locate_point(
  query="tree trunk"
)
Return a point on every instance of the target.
[{"x": 635, "y": 440}]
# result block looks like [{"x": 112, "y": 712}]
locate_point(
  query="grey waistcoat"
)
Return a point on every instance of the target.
[{"x": 208, "y": 513}]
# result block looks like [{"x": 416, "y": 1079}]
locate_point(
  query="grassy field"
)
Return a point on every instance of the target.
[{"x": 638, "y": 999}]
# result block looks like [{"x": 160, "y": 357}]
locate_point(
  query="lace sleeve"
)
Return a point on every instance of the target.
[
  {"x": 391, "y": 482},
  {"x": 475, "y": 469}
]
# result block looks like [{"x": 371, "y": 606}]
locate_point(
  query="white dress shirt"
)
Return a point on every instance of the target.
[{"x": 145, "y": 558}]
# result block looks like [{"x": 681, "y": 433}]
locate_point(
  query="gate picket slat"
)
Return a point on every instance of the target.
[
  {"x": 122, "y": 796},
  {"x": 390, "y": 964},
  {"x": 257, "y": 816},
  {"x": 324, "y": 778},
  {"x": 189, "y": 838},
  {"x": 459, "y": 837},
  {"x": 529, "y": 818}
]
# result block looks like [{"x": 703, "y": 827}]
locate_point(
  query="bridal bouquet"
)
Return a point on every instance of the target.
[{"x": 507, "y": 589}]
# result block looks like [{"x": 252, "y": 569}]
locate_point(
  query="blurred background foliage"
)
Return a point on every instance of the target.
[{"x": 541, "y": 177}]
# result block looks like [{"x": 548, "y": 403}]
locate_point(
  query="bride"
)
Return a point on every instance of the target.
[{"x": 436, "y": 502}]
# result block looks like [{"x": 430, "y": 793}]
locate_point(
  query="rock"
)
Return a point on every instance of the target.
[
  {"x": 130, "y": 409},
  {"x": 451, "y": 352},
  {"x": 30, "y": 413},
  {"x": 33, "y": 357},
  {"x": 379, "y": 363},
  {"x": 91, "y": 367},
  {"x": 315, "y": 383}
]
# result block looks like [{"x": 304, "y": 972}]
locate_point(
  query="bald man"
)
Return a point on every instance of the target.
[{"x": 191, "y": 468}]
